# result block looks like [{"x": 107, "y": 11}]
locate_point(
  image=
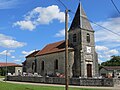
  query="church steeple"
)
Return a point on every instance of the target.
[
  {"x": 81, "y": 38},
  {"x": 80, "y": 20}
]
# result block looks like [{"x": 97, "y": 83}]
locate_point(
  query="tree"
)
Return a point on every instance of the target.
[
  {"x": 114, "y": 61},
  {"x": 2, "y": 71}
]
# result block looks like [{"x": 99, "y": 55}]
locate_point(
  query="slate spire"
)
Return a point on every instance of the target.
[{"x": 80, "y": 20}]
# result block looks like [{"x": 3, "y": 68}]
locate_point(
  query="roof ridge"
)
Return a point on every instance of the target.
[
  {"x": 33, "y": 53},
  {"x": 55, "y": 42},
  {"x": 8, "y": 62}
]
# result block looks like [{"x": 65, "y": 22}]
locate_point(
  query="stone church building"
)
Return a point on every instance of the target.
[{"x": 83, "y": 61}]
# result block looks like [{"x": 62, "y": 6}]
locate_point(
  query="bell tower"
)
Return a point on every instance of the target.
[{"x": 81, "y": 38}]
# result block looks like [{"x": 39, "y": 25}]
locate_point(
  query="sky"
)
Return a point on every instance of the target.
[{"x": 29, "y": 25}]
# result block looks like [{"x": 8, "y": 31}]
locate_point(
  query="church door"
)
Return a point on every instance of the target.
[{"x": 89, "y": 70}]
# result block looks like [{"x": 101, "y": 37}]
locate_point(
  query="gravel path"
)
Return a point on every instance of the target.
[{"x": 1, "y": 79}]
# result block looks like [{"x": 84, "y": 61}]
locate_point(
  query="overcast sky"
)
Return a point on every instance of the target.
[{"x": 28, "y": 25}]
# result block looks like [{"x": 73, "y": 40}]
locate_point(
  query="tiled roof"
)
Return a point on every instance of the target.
[
  {"x": 112, "y": 67},
  {"x": 53, "y": 48},
  {"x": 32, "y": 54},
  {"x": 2, "y": 64}
]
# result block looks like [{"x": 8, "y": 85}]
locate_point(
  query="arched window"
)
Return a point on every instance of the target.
[
  {"x": 88, "y": 37},
  {"x": 74, "y": 37},
  {"x": 33, "y": 65},
  {"x": 42, "y": 65},
  {"x": 56, "y": 64}
]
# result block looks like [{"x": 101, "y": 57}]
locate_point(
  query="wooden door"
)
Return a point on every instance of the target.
[{"x": 89, "y": 70}]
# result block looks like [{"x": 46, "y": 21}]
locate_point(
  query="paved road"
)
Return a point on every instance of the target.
[{"x": 40, "y": 84}]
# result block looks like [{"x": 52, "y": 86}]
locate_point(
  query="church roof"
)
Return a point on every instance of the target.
[
  {"x": 33, "y": 54},
  {"x": 80, "y": 20},
  {"x": 53, "y": 48},
  {"x": 3, "y": 64}
]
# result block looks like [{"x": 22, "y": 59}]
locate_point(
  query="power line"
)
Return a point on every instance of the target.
[
  {"x": 98, "y": 25},
  {"x": 115, "y": 6},
  {"x": 91, "y": 20},
  {"x": 104, "y": 28},
  {"x": 62, "y": 4}
]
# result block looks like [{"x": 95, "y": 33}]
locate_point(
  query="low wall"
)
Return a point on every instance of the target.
[
  {"x": 116, "y": 82},
  {"x": 72, "y": 81}
]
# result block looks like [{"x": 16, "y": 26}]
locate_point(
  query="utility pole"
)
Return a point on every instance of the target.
[
  {"x": 66, "y": 50},
  {"x": 35, "y": 63},
  {"x": 6, "y": 68}
]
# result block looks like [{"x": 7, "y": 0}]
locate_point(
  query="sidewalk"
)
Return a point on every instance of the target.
[
  {"x": 56, "y": 85},
  {"x": 1, "y": 79}
]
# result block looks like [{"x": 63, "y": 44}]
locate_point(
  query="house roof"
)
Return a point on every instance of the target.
[
  {"x": 2, "y": 64},
  {"x": 53, "y": 48},
  {"x": 33, "y": 54},
  {"x": 80, "y": 20},
  {"x": 112, "y": 67}
]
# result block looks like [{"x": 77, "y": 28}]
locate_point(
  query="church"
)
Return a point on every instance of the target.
[{"x": 82, "y": 57}]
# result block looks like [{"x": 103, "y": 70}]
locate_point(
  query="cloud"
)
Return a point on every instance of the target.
[
  {"x": 8, "y": 4},
  {"x": 6, "y": 52},
  {"x": 107, "y": 43},
  {"x": 25, "y": 25},
  {"x": 17, "y": 60},
  {"x": 105, "y": 53},
  {"x": 113, "y": 52},
  {"x": 101, "y": 48},
  {"x": 13, "y": 57},
  {"x": 40, "y": 15},
  {"x": 100, "y": 61},
  {"x": 27, "y": 52},
  {"x": 9, "y": 42},
  {"x": 105, "y": 37},
  {"x": 61, "y": 33}
]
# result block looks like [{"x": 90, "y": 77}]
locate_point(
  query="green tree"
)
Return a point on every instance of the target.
[
  {"x": 2, "y": 71},
  {"x": 114, "y": 61}
]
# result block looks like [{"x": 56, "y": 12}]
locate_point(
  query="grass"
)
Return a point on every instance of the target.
[
  {"x": 2, "y": 76},
  {"x": 9, "y": 86}
]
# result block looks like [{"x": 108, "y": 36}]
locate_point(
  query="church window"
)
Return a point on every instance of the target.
[
  {"x": 74, "y": 37},
  {"x": 56, "y": 64},
  {"x": 42, "y": 64},
  {"x": 33, "y": 64},
  {"x": 88, "y": 37}
]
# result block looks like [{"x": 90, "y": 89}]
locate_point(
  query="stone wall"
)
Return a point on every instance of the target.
[
  {"x": 84, "y": 52},
  {"x": 49, "y": 63},
  {"x": 97, "y": 82},
  {"x": 116, "y": 82},
  {"x": 72, "y": 81},
  {"x": 28, "y": 65}
]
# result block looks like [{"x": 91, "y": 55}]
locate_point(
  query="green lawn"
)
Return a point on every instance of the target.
[
  {"x": 2, "y": 76},
  {"x": 9, "y": 86}
]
